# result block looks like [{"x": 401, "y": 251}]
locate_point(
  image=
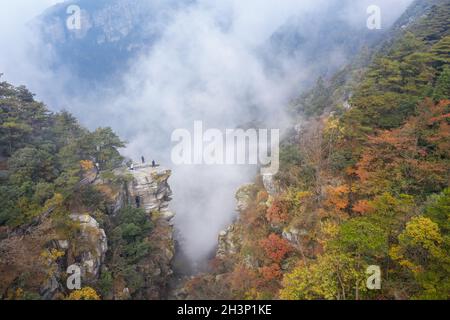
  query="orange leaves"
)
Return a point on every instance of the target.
[
  {"x": 262, "y": 196},
  {"x": 275, "y": 248},
  {"x": 409, "y": 159},
  {"x": 336, "y": 202},
  {"x": 278, "y": 213},
  {"x": 438, "y": 111},
  {"x": 362, "y": 207},
  {"x": 272, "y": 272},
  {"x": 338, "y": 197}
]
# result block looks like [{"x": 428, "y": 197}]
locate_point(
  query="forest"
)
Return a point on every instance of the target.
[{"x": 364, "y": 182}]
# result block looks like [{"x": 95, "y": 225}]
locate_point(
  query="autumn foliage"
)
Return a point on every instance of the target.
[
  {"x": 278, "y": 213},
  {"x": 275, "y": 248},
  {"x": 409, "y": 159}
]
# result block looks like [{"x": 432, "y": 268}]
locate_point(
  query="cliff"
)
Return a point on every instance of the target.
[{"x": 35, "y": 258}]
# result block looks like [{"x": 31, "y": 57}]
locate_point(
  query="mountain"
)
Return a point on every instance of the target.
[
  {"x": 327, "y": 38},
  {"x": 363, "y": 185},
  {"x": 360, "y": 207},
  {"x": 70, "y": 203},
  {"x": 112, "y": 34}
]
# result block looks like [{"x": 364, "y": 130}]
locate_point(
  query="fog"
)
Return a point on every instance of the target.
[{"x": 212, "y": 63}]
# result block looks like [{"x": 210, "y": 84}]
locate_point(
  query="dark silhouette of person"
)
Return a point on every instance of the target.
[
  {"x": 143, "y": 159},
  {"x": 153, "y": 163},
  {"x": 138, "y": 202}
]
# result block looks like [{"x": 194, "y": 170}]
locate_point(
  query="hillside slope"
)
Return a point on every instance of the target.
[
  {"x": 69, "y": 202},
  {"x": 364, "y": 181}
]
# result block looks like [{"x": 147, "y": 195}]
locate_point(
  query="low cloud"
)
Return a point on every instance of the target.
[{"x": 211, "y": 64}]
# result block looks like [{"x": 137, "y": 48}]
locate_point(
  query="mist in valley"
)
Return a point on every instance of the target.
[{"x": 226, "y": 63}]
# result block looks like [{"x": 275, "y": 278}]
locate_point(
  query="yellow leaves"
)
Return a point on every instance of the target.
[
  {"x": 52, "y": 255},
  {"x": 329, "y": 230},
  {"x": 56, "y": 201},
  {"x": 295, "y": 285},
  {"x": 262, "y": 196},
  {"x": 419, "y": 244},
  {"x": 332, "y": 276},
  {"x": 86, "y": 293},
  {"x": 421, "y": 231},
  {"x": 17, "y": 294},
  {"x": 396, "y": 253},
  {"x": 86, "y": 165},
  {"x": 49, "y": 258},
  {"x": 298, "y": 198},
  {"x": 333, "y": 126},
  {"x": 251, "y": 295}
]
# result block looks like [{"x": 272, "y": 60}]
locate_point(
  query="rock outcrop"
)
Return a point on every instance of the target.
[
  {"x": 42, "y": 252},
  {"x": 148, "y": 188},
  {"x": 91, "y": 258}
]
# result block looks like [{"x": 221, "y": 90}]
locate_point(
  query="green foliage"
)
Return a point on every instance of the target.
[
  {"x": 43, "y": 152},
  {"x": 423, "y": 250},
  {"x": 362, "y": 237},
  {"x": 442, "y": 87},
  {"x": 129, "y": 239},
  {"x": 105, "y": 283},
  {"x": 106, "y": 144},
  {"x": 438, "y": 210},
  {"x": 389, "y": 150}
]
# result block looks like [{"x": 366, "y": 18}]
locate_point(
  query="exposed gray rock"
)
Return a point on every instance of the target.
[
  {"x": 150, "y": 189},
  {"x": 269, "y": 184},
  {"x": 293, "y": 235},
  {"x": 243, "y": 196},
  {"x": 227, "y": 242},
  {"x": 91, "y": 259}
]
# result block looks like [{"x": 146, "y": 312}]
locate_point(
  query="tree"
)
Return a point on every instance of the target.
[
  {"x": 442, "y": 87},
  {"x": 278, "y": 213},
  {"x": 423, "y": 250},
  {"x": 105, "y": 143},
  {"x": 438, "y": 210},
  {"x": 362, "y": 238},
  {"x": 275, "y": 247},
  {"x": 412, "y": 159},
  {"x": 86, "y": 293},
  {"x": 333, "y": 276}
]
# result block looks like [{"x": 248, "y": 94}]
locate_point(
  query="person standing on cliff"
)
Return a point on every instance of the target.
[
  {"x": 153, "y": 163},
  {"x": 143, "y": 159}
]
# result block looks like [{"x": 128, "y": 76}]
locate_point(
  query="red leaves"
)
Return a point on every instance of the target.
[
  {"x": 275, "y": 248},
  {"x": 410, "y": 153}
]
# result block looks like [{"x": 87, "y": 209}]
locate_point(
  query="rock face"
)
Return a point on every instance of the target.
[
  {"x": 111, "y": 31},
  {"x": 228, "y": 241},
  {"x": 92, "y": 258},
  {"x": 150, "y": 190},
  {"x": 269, "y": 184},
  {"x": 87, "y": 251},
  {"x": 243, "y": 196},
  {"x": 144, "y": 187}
]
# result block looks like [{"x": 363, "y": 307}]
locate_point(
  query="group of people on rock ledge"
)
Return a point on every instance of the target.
[{"x": 154, "y": 165}]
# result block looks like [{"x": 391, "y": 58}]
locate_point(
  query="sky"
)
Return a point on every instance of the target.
[{"x": 206, "y": 66}]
